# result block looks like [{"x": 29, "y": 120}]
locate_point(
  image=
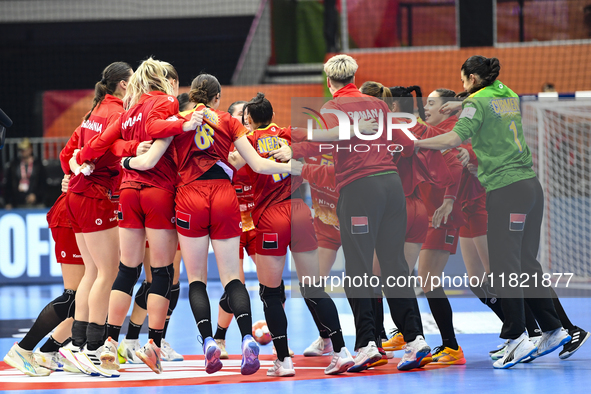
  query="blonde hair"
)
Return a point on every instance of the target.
[
  {"x": 341, "y": 68},
  {"x": 375, "y": 89},
  {"x": 150, "y": 75}
]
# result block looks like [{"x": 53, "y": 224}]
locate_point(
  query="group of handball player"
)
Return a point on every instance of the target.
[{"x": 150, "y": 175}]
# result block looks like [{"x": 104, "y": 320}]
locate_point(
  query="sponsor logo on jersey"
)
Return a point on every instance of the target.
[
  {"x": 170, "y": 99},
  {"x": 63, "y": 253},
  {"x": 468, "y": 112},
  {"x": 78, "y": 256},
  {"x": 98, "y": 222},
  {"x": 359, "y": 225}
]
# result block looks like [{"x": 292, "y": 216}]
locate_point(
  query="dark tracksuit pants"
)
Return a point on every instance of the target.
[
  {"x": 514, "y": 221},
  {"x": 372, "y": 216}
]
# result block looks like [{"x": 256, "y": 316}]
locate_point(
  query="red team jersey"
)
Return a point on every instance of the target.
[
  {"x": 154, "y": 116},
  {"x": 245, "y": 195},
  {"x": 270, "y": 189},
  {"x": 197, "y": 151}
]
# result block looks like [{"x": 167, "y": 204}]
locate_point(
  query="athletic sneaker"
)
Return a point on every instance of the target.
[
  {"x": 389, "y": 354},
  {"x": 68, "y": 352},
  {"x": 222, "y": 345},
  {"x": 366, "y": 355},
  {"x": 578, "y": 338},
  {"x": 212, "y": 355},
  {"x": 54, "y": 361},
  {"x": 250, "y": 356},
  {"x": 319, "y": 347},
  {"x": 150, "y": 355},
  {"x": 515, "y": 351},
  {"x": 340, "y": 362},
  {"x": 90, "y": 362},
  {"x": 551, "y": 340},
  {"x": 282, "y": 368},
  {"x": 416, "y": 354},
  {"x": 108, "y": 355},
  {"x": 499, "y": 351},
  {"x": 448, "y": 356},
  {"x": 381, "y": 361},
  {"x": 394, "y": 343},
  {"x": 536, "y": 341},
  {"x": 23, "y": 360},
  {"x": 127, "y": 349},
  {"x": 167, "y": 353}
]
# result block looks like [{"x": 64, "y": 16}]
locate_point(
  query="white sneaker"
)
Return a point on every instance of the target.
[
  {"x": 499, "y": 351},
  {"x": 89, "y": 360},
  {"x": 516, "y": 350},
  {"x": 68, "y": 352},
  {"x": 389, "y": 354},
  {"x": 416, "y": 354},
  {"x": 319, "y": 347},
  {"x": 167, "y": 353},
  {"x": 340, "y": 362},
  {"x": 48, "y": 360},
  {"x": 222, "y": 345},
  {"x": 550, "y": 341},
  {"x": 127, "y": 350},
  {"x": 366, "y": 355},
  {"x": 536, "y": 341},
  {"x": 108, "y": 355},
  {"x": 282, "y": 368},
  {"x": 150, "y": 355},
  {"x": 24, "y": 361}
]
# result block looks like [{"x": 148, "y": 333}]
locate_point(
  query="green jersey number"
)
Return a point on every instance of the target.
[{"x": 513, "y": 128}]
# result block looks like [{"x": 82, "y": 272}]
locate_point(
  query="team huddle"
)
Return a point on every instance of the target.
[{"x": 149, "y": 176}]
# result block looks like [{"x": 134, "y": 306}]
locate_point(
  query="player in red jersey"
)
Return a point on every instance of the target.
[
  {"x": 278, "y": 208},
  {"x": 146, "y": 206}
]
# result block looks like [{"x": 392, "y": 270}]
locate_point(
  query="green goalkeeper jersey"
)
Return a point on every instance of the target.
[{"x": 492, "y": 118}]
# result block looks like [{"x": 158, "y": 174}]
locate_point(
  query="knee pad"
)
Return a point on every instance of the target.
[
  {"x": 224, "y": 304},
  {"x": 175, "y": 291},
  {"x": 283, "y": 297},
  {"x": 64, "y": 305},
  {"x": 313, "y": 292},
  {"x": 269, "y": 295},
  {"x": 127, "y": 278},
  {"x": 141, "y": 297},
  {"x": 162, "y": 280}
]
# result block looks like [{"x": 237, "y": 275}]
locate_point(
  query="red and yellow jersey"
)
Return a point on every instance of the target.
[
  {"x": 245, "y": 194},
  {"x": 270, "y": 189},
  {"x": 197, "y": 151},
  {"x": 323, "y": 189}
]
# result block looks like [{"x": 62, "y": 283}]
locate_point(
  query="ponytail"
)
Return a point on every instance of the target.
[
  {"x": 110, "y": 78},
  {"x": 400, "y": 92}
]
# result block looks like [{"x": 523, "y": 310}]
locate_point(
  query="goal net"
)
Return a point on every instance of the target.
[{"x": 559, "y": 136}]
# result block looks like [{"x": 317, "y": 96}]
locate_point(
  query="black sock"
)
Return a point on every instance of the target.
[
  {"x": 156, "y": 336},
  {"x": 533, "y": 330},
  {"x": 113, "y": 331},
  {"x": 51, "y": 345},
  {"x": 46, "y": 321},
  {"x": 239, "y": 302},
  {"x": 165, "y": 327},
  {"x": 79, "y": 333},
  {"x": 276, "y": 319},
  {"x": 378, "y": 314},
  {"x": 566, "y": 323},
  {"x": 443, "y": 315},
  {"x": 200, "y": 306},
  {"x": 321, "y": 329},
  {"x": 220, "y": 333},
  {"x": 488, "y": 298},
  {"x": 133, "y": 330},
  {"x": 94, "y": 335}
]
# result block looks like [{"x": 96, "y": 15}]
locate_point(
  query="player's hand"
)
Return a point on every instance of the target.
[
  {"x": 367, "y": 126},
  {"x": 143, "y": 147},
  {"x": 283, "y": 153},
  {"x": 195, "y": 121},
  {"x": 296, "y": 167},
  {"x": 65, "y": 182},
  {"x": 450, "y": 106},
  {"x": 463, "y": 156},
  {"x": 473, "y": 169},
  {"x": 442, "y": 213},
  {"x": 87, "y": 168}
]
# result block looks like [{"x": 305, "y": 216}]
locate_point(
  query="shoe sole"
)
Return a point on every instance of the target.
[
  {"x": 284, "y": 374},
  {"x": 515, "y": 362},
  {"x": 364, "y": 366},
  {"x": 9, "y": 361},
  {"x": 393, "y": 349},
  {"x": 378, "y": 363},
  {"x": 343, "y": 368},
  {"x": 108, "y": 362},
  {"x": 461, "y": 361},
  {"x": 421, "y": 354},
  {"x": 212, "y": 360},
  {"x": 71, "y": 357},
  {"x": 550, "y": 350},
  {"x": 250, "y": 360},
  {"x": 155, "y": 367},
  {"x": 564, "y": 356}
]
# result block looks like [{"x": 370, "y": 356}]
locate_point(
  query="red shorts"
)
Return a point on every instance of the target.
[
  {"x": 146, "y": 207},
  {"x": 248, "y": 241},
  {"x": 476, "y": 219},
  {"x": 417, "y": 220},
  {"x": 274, "y": 233},
  {"x": 208, "y": 207},
  {"x": 441, "y": 239},
  {"x": 329, "y": 237},
  {"x": 66, "y": 248},
  {"x": 89, "y": 215}
]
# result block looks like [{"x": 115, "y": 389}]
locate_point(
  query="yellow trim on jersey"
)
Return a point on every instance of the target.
[
  {"x": 268, "y": 126},
  {"x": 472, "y": 95}
]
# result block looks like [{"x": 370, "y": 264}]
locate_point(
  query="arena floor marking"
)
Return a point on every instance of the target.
[{"x": 185, "y": 373}]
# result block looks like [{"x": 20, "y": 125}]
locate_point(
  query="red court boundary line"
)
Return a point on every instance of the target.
[{"x": 259, "y": 377}]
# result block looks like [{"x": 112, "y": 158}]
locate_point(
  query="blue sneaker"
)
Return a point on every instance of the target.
[
  {"x": 212, "y": 355},
  {"x": 250, "y": 356}
]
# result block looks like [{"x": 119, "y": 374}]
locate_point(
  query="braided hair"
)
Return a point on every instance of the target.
[
  {"x": 487, "y": 69},
  {"x": 401, "y": 92}
]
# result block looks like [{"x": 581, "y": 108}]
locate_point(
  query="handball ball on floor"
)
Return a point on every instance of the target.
[{"x": 260, "y": 332}]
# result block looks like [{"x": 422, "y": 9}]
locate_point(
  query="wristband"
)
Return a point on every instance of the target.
[
  {"x": 126, "y": 163},
  {"x": 86, "y": 171},
  {"x": 77, "y": 171}
]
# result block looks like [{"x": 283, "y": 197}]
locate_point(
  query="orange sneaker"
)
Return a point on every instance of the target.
[
  {"x": 394, "y": 343},
  {"x": 448, "y": 356}
]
